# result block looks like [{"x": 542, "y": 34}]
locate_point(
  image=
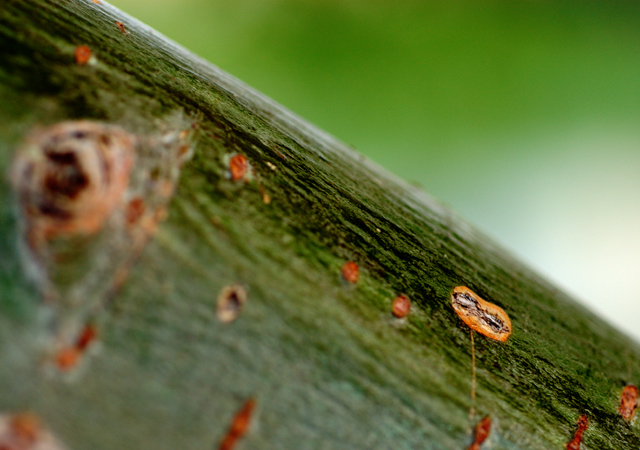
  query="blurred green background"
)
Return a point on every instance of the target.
[{"x": 521, "y": 115}]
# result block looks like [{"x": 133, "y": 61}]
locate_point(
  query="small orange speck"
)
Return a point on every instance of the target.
[
  {"x": 350, "y": 272},
  {"x": 88, "y": 335},
  {"x": 239, "y": 425},
  {"x": 184, "y": 150},
  {"x": 239, "y": 166},
  {"x": 82, "y": 54},
  {"x": 401, "y": 306},
  {"x": 121, "y": 26},
  {"x": 67, "y": 358},
  {"x": 97, "y": 2}
]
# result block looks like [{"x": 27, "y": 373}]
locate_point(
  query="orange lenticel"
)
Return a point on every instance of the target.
[
  {"x": 401, "y": 306},
  {"x": 350, "y": 272},
  {"x": 482, "y": 433},
  {"x": 628, "y": 402},
  {"x": 583, "y": 423},
  {"x": 67, "y": 358},
  {"x": 238, "y": 166},
  {"x": 82, "y": 55},
  {"x": 239, "y": 425}
]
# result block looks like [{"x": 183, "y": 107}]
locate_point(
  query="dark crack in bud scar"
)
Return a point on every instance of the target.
[{"x": 480, "y": 315}]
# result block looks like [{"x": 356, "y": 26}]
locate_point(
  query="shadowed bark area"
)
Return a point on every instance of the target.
[{"x": 327, "y": 363}]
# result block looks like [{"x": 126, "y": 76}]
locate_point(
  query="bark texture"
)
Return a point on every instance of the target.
[{"x": 327, "y": 363}]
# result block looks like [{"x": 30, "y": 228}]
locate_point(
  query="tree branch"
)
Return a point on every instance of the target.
[{"x": 327, "y": 363}]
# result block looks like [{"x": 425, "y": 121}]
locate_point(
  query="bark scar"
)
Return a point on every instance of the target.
[
  {"x": 89, "y": 196},
  {"x": 480, "y": 315}
]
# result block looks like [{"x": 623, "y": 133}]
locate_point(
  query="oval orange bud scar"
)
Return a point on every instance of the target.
[{"x": 480, "y": 315}]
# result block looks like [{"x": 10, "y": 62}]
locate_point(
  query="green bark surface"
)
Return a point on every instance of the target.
[{"x": 327, "y": 363}]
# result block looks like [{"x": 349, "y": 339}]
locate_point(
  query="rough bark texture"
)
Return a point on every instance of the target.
[{"x": 327, "y": 363}]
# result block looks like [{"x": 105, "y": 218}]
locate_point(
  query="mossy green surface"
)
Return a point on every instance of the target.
[{"x": 327, "y": 363}]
